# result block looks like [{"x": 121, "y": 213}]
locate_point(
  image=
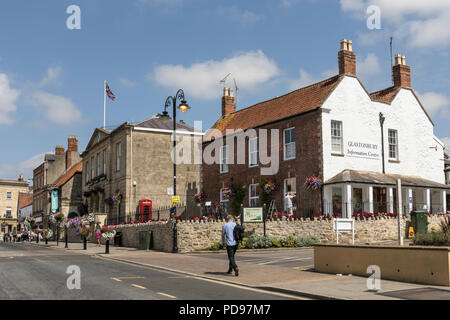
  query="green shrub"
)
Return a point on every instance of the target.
[
  {"x": 305, "y": 241},
  {"x": 276, "y": 242},
  {"x": 258, "y": 242},
  {"x": 432, "y": 239},
  {"x": 242, "y": 244},
  {"x": 289, "y": 241},
  {"x": 215, "y": 246}
]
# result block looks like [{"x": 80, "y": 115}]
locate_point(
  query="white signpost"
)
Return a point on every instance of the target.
[{"x": 344, "y": 225}]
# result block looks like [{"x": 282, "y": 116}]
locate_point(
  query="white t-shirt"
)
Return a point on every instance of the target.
[{"x": 288, "y": 201}]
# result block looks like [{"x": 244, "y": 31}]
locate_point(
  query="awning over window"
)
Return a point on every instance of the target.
[{"x": 378, "y": 178}]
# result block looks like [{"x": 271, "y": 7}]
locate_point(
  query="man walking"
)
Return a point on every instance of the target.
[{"x": 231, "y": 244}]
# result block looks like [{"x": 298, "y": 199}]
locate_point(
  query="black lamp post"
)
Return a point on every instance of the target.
[
  {"x": 165, "y": 116},
  {"x": 382, "y": 118},
  {"x": 66, "y": 238}
]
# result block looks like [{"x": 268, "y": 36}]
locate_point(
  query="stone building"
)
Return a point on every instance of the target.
[
  {"x": 47, "y": 173},
  {"x": 357, "y": 143},
  {"x": 9, "y": 203},
  {"x": 133, "y": 162}
]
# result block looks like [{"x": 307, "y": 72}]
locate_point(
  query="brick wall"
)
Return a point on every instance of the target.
[{"x": 307, "y": 162}]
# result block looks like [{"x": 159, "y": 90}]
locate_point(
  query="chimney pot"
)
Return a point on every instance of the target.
[
  {"x": 59, "y": 150},
  {"x": 347, "y": 58},
  {"x": 401, "y": 73}
]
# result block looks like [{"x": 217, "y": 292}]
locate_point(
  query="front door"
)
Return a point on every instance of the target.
[{"x": 379, "y": 199}]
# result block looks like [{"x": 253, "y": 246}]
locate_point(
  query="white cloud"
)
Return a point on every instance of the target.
[
  {"x": 57, "y": 109},
  {"x": 127, "y": 82},
  {"x": 238, "y": 15},
  {"x": 368, "y": 67},
  {"x": 436, "y": 104},
  {"x": 200, "y": 80},
  {"x": 8, "y": 100},
  {"x": 52, "y": 76},
  {"x": 422, "y": 23},
  {"x": 25, "y": 167}
]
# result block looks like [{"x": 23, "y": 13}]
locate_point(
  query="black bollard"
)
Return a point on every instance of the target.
[
  {"x": 57, "y": 235},
  {"x": 37, "y": 237},
  {"x": 107, "y": 247},
  {"x": 84, "y": 243},
  {"x": 46, "y": 241},
  {"x": 66, "y": 238}
]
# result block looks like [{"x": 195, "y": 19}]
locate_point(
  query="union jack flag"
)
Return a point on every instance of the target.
[{"x": 109, "y": 92}]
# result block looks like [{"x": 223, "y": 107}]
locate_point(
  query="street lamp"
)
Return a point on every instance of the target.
[
  {"x": 382, "y": 118},
  {"x": 165, "y": 116}
]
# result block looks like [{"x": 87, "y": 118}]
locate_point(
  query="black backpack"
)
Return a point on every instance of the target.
[{"x": 238, "y": 233}]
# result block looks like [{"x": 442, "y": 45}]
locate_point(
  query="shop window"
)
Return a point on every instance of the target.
[
  {"x": 253, "y": 195},
  {"x": 289, "y": 143},
  {"x": 336, "y": 137},
  {"x": 393, "y": 144}
]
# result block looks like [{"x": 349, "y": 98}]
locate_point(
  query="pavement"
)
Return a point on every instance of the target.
[
  {"x": 288, "y": 271},
  {"x": 35, "y": 272}
]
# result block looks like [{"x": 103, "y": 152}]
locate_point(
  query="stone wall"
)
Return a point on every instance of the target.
[{"x": 200, "y": 235}]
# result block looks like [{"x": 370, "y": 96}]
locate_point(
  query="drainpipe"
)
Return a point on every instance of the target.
[{"x": 382, "y": 118}]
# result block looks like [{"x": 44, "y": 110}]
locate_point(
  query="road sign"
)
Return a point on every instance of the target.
[
  {"x": 170, "y": 191},
  {"x": 344, "y": 225},
  {"x": 175, "y": 199}
]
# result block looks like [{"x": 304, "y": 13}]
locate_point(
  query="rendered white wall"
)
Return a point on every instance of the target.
[{"x": 351, "y": 104}]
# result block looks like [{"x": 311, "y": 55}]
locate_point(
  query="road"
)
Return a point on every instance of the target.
[{"x": 31, "y": 272}]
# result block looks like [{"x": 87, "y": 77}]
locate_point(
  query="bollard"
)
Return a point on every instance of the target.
[
  {"x": 37, "y": 237},
  {"x": 107, "y": 247},
  {"x": 84, "y": 243},
  {"x": 46, "y": 241},
  {"x": 66, "y": 238}
]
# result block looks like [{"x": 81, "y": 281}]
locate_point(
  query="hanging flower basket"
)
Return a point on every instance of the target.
[
  {"x": 313, "y": 183},
  {"x": 200, "y": 197},
  {"x": 108, "y": 232},
  {"x": 48, "y": 233}
]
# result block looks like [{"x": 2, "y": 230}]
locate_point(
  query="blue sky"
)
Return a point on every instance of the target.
[{"x": 51, "y": 78}]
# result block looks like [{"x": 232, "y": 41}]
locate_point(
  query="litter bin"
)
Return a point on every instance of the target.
[
  {"x": 118, "y": 239},
  {"x": 145, "y": 240},
  {"x": 419, "y": 221}
]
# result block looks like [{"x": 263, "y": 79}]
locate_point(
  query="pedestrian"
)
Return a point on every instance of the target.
[
  {"x": 98, "y": 234},
  {"x": 289, "y": 205},
  {"x": 229, "y": 241}
]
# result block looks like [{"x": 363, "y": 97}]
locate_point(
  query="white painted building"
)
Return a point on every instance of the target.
[{"x": 363, "y": 156}]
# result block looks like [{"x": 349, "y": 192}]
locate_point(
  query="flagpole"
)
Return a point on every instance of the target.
[{"x": 104, "y": 105}]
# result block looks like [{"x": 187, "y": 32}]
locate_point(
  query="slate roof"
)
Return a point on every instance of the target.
[
  {"x": 371, "y": 177},
  {"x": 156, "y": 122}
]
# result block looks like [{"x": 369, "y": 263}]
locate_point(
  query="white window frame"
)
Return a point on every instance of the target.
[
  {"x": 223, "y": 160},
  {"x": 393, "y": 144},
  {"x": 255, "y": 151},
  {"x": 9, "y": 195},
  {"x": 253, "y": 201},
  {"x": 285, "y": 145},
  {"x": 8, "y": 210},
  {"x": 118, "y": 155},
  {"x": 339, "y": 137}
]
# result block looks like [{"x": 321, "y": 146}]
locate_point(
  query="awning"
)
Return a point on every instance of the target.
[{"x": 378, "y": 178}]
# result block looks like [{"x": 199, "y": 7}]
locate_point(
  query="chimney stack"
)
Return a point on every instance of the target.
[
  {"x": 401, "y": 72},
  {"x": 347, "y": 58},
  {"x": 59, "y": 150},
  {"x": 228, "y": 102},
  {"x": 72, "y": 144}
]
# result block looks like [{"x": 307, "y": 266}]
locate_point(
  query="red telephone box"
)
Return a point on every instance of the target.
[{"x": 145, "y": 209}]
